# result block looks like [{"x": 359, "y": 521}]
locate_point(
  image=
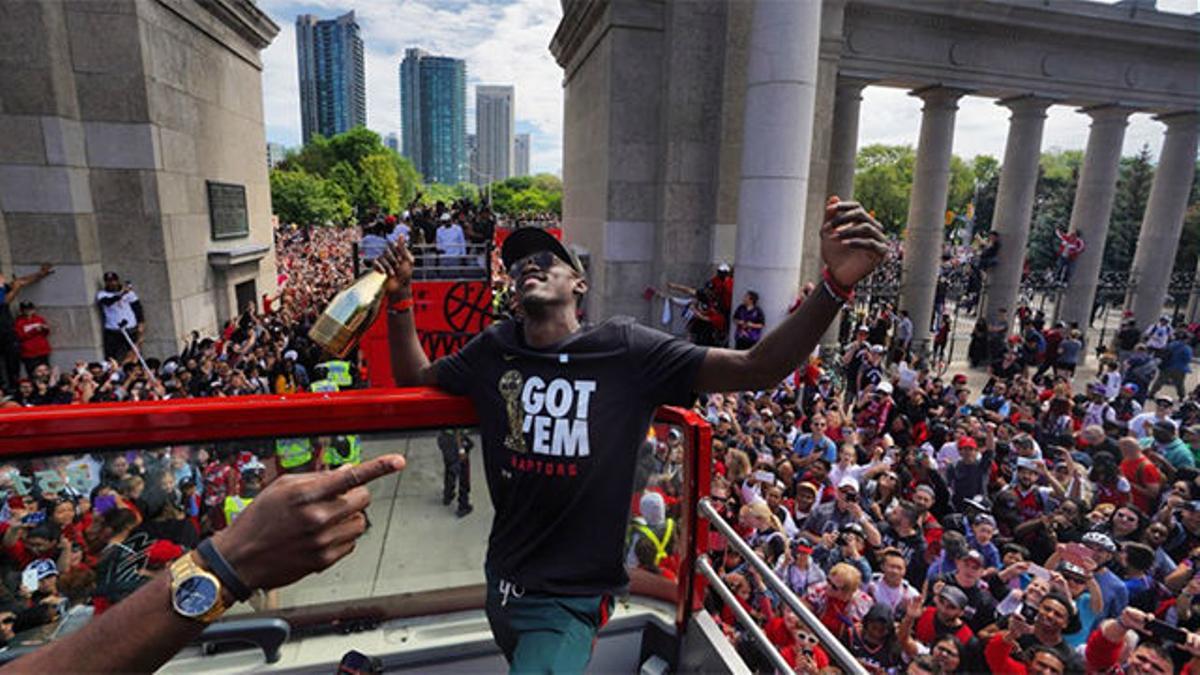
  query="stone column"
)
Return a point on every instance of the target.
[
  {"x": 843, "y": 146},
  {"x": 843, "y": 152},
  {"x": 1014, "y": 201},
  {"x": 927, "y": 207},
  {"x": 1163, "y": 221},
  {"x": 1093, "y": 208},
  {"x": 776, "y": 147}
]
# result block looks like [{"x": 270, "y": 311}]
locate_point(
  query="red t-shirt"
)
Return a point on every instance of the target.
[
  {"x": 1141, "y": 471},
  {"x": 31, "y": 332},
  {"x": 926, "y": 630}
]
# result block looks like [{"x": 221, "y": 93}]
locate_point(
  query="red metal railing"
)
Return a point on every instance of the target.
[{"x": 57, "y": 429}]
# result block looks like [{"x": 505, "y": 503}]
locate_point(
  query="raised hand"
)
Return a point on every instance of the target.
[
  {"x": 397, "y": 263},
  {"x": 852, "y": 242}
]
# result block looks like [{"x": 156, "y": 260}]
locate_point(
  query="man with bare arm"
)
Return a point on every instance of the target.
[{"x": 562, "y": 410}]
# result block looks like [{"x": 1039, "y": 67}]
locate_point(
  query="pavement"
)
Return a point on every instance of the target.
[{"x": 414, "y": 543}]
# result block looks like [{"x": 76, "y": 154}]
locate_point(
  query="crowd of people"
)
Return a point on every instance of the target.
[{"x": 1037, "y": 521}]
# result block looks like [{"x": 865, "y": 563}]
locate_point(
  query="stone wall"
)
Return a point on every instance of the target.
[{"x": 113, "y": 114}]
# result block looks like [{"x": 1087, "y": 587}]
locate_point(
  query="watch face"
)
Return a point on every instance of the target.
[{"x": 195, "y": 596}]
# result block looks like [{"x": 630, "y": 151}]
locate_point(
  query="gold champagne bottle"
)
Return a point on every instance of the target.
[{"x": 349, "y": 315}]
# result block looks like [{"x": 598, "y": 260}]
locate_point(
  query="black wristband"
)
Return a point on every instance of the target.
[{"x": 223, "y": 571}]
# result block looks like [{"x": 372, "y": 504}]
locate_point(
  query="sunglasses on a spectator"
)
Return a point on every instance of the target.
[
  {"x": 8, "y": 621},
  {"x": 544, "y": 260}
]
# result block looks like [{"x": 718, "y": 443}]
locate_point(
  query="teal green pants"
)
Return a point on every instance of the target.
[{"x": 541, "y": 633}]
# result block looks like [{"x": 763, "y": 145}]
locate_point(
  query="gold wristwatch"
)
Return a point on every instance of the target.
[{"x": 195, "y": 592}]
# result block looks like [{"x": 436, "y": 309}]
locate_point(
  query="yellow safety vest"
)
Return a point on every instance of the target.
[
  {"x": 660, "y": 547},
  {"x": 353, "y": 454},
  {"x": 293, "y": 452},
  {"x": 234, "y": 507},
  {"x": 324, "y": 385},
  {"x": 338, "y": 372}
]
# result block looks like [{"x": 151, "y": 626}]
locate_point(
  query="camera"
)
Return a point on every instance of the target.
[{"x": 1028, "y": 613}]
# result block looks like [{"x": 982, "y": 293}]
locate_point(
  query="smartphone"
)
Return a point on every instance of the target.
[
  {"x": 29, "y": 580},
  {"x": 1039, "y": 571},
  {"x": 357, "y": 663},
  {"x": 1029, "y": 613},
  {"x": 1165, "y": 631}
]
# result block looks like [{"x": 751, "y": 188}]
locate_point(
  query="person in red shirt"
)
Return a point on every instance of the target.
[
  {"x": 32, "y": 333},
  {"x": 1144, "y": 477},
  {"x": 926, "y": 624}
]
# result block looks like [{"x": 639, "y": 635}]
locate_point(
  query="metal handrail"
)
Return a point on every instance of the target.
[
  {"x": 743, "y": 617},
  {"x": 832, "y": 645}
]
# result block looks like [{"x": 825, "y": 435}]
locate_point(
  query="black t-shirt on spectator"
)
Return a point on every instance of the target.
[
  {"x": 980, "y": 611},
  {"x": 562, "y": 485}
]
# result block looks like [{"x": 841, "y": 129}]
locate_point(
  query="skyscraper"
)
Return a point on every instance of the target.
[
  {"x": 433, "y": 115},
  {"x": 392, "y": 141},
  {"x": 494, "y": 131},
  {"x": 521, "y": 155},
  {"x": 333, "y": 89}
]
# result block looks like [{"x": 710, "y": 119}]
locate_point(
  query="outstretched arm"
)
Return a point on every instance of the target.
[
  {"x": 300, "y": 524},
  {"x": 852, "y": 245},
  {"x": 21, "y": 282}
]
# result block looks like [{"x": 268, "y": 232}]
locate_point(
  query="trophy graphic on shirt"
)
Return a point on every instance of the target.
[{"x": 510, "y": 389}]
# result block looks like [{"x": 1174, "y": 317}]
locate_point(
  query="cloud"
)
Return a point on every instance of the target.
[{"x": 502, "y": 42}]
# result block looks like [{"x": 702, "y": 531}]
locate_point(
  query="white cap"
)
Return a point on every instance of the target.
[
  {"x": 885, "y": 387},
  {"x": 848, "y": 480},
  {"x": 445, "y": 217},
  {"x": 723, "y": 267},
  {"x": 290, "y": 355}
]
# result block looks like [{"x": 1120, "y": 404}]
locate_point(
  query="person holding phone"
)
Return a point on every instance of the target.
[{"x": 1106, "y": 646}]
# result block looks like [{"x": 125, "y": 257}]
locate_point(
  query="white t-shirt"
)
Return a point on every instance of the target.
[
  {"x": 120, "y": 310},
  {"x": 1142, "y": 426},
  {"x": 896, "y": 598},
  {"x": 451, "y": 241},
  {"x": 371, "y": 246}
]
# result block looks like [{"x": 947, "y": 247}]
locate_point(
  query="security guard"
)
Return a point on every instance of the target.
[
  {"x": 342, "y": 450},
  {"x": 338, "y": 372},
  {"x": 295, "y": 455},
  {"x": 252, "y": 479},
  {"x": 326, "y": 382}
]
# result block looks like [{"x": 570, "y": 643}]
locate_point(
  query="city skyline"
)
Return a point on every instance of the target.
[
  {"x": 507, "y": 41},
  {"x": 330, "y": 75}
]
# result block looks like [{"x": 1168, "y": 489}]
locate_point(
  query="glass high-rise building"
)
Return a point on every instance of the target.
[
  {"x": 521, "y": 155},
  {"x": 433, "y": 115},
  {"x": 333, "y": 87},
  {"x": 494, "y": 129}
]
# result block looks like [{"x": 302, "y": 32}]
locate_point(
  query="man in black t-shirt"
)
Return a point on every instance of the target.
[{"x": 563, "y": 409}]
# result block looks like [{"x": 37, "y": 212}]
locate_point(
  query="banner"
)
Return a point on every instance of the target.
[{"x": 448, "y": 314}]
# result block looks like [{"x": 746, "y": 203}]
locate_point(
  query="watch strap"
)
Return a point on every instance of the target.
[{"x": 221, "y": 569}]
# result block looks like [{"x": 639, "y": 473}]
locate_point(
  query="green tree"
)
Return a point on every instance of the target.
[
  {"x": 302, "y": 198},
  {"x": 1129, "y": 204},
  {"x": 987, "y": 181},
  {"x": 528, "y": 194},
  {"x": 379, "y": 183},
  {"x": 370, "y": 173},
  {"x": 1058, "y": 177},
  {"x": 883, "y": 180}
]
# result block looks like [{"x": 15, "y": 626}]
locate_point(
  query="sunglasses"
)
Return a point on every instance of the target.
[
  {"x": 1072, "y": 579},
  {"x": 8, "y": 621},
  {"x": 544, "y": 260}
]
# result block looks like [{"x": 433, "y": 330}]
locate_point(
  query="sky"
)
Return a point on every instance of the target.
[{"x": 507, "y": 42}]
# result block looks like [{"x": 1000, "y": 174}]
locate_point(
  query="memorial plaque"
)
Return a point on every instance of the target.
[{"x": 227, "y": 210}]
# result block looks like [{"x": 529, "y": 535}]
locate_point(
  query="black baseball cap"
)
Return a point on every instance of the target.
[
  {"x": 529, "y": 240},
  {"x": 111, "y": 275}
]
